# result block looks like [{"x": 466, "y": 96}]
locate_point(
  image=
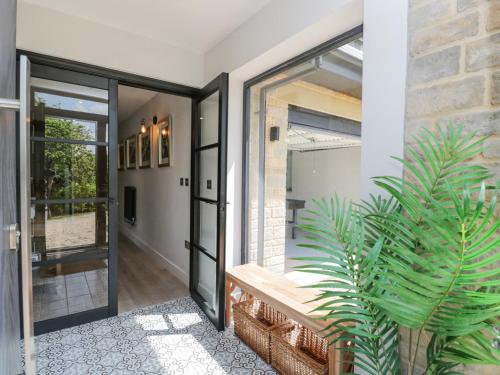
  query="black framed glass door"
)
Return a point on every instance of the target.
[
  {"x": 208, "y": 198},
  {"x": 73, "y": 184}
]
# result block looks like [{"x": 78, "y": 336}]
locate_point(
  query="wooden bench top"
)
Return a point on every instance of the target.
[{"x": 279, "y": 292}]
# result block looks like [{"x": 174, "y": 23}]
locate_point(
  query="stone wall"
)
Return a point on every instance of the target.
[
  {"x": 454, "y": 75},
  {"x": 275, "y": 184}
]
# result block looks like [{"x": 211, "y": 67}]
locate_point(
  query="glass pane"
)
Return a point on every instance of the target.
[
  {"x": 207, "y": 173},
  {"x": 68, "y": 288},
  {"x": 63, "y": 229},
  {"x": 209, "y": 120},
  {"x": 68, "y": 171},
  {"x": 67, "y": 111},
  {"x": 317, "y": 115},
  {"x": 206, "y": 281},
  {"x": 207, "y": 228}
]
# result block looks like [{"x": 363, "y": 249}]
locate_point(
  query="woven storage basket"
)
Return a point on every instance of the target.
[
  {"x": 253, "y": 322},
  {"x": 296, "y": 350}
]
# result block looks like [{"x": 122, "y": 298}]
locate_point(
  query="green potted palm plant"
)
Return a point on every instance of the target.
[{"x": 425, "y": 257}]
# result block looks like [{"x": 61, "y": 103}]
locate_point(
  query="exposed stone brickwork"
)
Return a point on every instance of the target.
[
  {"x": 454, "y": 75},
  {"x": 275, "y": 185},
  {"x": 275, "y": 188}
]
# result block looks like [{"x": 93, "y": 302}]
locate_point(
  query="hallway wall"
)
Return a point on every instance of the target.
[{"x": 162, "y": 223}]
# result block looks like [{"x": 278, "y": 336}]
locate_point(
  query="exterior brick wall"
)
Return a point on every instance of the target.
[
  {"x": 454, "y": 75},
  {"x": 275, "y": 184}
]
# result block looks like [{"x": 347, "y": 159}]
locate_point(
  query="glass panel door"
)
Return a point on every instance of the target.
[
  {"x": 71, "y": 200},
  {"x": 208, "y": 199}
]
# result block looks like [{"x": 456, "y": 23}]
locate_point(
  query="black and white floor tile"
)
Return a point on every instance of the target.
[{"x": 171, "y": 338}]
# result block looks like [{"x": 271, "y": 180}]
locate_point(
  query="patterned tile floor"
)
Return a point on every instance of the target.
[{"x": 171, "y": 338}]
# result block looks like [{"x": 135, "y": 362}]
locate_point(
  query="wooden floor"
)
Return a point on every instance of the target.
[{"x": 142, "y": 279}]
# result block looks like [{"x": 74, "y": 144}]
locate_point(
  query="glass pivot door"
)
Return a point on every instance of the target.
[
  {"x": 72, "y": 182},
  {"x": 208, "y": 198}
]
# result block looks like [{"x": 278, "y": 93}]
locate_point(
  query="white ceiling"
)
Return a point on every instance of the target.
[
  {"x": 196, "y": 25},
  {"x": 130, "y": 99}
]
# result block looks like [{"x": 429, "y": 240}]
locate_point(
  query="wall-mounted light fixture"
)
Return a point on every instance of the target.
[
  {"x": 274, "y": 133},
  {"x": 143, "y": 126}
]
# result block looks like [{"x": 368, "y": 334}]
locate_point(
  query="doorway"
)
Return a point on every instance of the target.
[
  {"x": 74, "y": 210},
  {"x": 154, "y": 137}
]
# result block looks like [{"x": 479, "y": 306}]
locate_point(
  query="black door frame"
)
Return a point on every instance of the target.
[
  {"x": 220, "y": 84},
  {"x": 74, "y": 77},
  {"x": 45, "y": 66}
]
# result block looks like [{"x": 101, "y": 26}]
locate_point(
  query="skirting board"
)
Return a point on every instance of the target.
[{"x": 171, "y": 266}]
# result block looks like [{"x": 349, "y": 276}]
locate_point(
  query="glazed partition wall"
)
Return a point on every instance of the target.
[{"x": 72, "y": 202}]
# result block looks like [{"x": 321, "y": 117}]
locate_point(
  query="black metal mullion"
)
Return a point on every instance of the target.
[
  {"x": 221, "y": 197},
  {"x": 204, "y": 251},
  {"x": 69, "y": 201},
  {"x": 68, "y": 141},
  {"x": 113, "y": 198},
  {"x": 206, "y": 200},
  {"x": 207, "y": 147}
]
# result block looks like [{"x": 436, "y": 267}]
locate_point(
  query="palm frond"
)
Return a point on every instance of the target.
[{"x": 336, "y": 229}]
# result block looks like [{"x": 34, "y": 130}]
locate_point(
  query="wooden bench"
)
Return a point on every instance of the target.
[{"x": 283, "y": 295}]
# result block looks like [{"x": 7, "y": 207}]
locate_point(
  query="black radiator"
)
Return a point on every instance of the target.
[{"x": 129, "y": 204}]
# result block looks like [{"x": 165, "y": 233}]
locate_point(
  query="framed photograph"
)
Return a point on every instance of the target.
[
  {"x": 131, "y": 152},
  {"x": 121, "y": 155},
  {"x": 165, "y": 143},
  {"x": 144, "y": 140}
]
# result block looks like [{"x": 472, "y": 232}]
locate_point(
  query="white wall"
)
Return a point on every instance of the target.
[
  {"x": 43, "y": 30},
  {"x": 162, "y": 204},
  {"x": 384, "y": 70},
  {"x": 322, "y": 174}
]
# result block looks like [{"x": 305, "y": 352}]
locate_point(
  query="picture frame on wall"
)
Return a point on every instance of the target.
[
  {"x": 121, "y": 155},
  {"x": 144, "y": 148},
  {"x": 131, "y": 152},
  {"x": 165, "y": 145}
]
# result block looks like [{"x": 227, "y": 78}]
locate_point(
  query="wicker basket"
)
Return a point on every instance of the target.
[
  {"x": 253, "y": 322},
  {"x": 296, "y": 350}
]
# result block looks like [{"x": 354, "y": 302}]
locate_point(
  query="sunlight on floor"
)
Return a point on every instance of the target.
[
  {"x": 181, "y": 321},
  {"x": 151, "y": 322}
]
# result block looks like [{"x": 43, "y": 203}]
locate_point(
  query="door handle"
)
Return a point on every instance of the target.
[
  {"x": 9, "y": 104},
  {"x": 14, "y": 235}
]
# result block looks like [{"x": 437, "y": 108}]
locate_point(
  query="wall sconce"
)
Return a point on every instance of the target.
[
  {"x": 143, "y": 126},
  {"x": 274, "y": 133}
]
